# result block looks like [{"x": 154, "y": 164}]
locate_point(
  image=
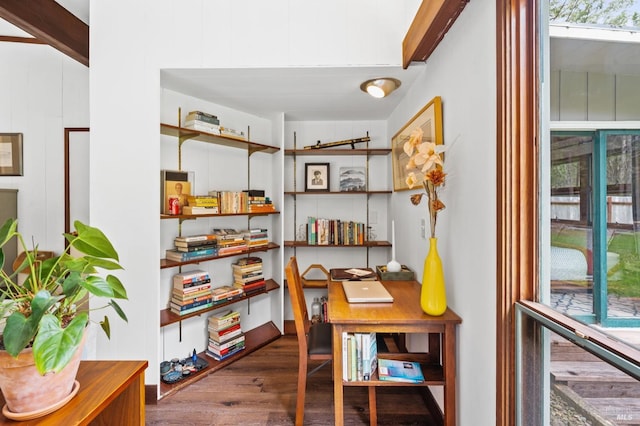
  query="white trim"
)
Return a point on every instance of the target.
[
  {"x": 573, "y": 31},
  {"x": 594, "y": 125}
]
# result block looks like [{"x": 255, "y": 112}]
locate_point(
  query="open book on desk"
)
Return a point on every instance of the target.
[{"x": 353, "y": 274}]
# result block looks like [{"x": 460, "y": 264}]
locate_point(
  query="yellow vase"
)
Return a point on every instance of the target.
[{"x": 433, "y": 296}]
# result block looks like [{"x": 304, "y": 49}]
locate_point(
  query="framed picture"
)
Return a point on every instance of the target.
[
  {"x": 429, "y": 119},
  {"x": 316, "y": 177},
  {"x": 174, "y": 184},
  {"x": 353, "y": 179},
  {"x": 10, "y": 154}
]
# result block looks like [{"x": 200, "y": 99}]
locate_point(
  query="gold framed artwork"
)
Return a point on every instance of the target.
[
  {"x": 10, "y": 154},
  {"x": 429, "y": 119}
]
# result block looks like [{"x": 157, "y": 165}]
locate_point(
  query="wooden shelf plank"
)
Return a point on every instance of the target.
[
  {"x": 167, "y": 317},
  {"x": 166, "y": 263},
  {"x": 195, "y": 216},
  {"x": 182, "y": 133},
  {"x": 433, "y": 375},
  {"x": 254, "y": 340},
  {"x": 336, "y": 151},
  {"x": 366, "y": 244},
  {"x": 337, "y": 192}
]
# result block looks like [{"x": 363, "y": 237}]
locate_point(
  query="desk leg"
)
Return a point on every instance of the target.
[
  {"x": 337, "y": 376},
  {"x": 449, "y": 366}
]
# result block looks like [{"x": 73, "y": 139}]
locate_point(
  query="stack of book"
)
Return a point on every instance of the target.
[
  {"x": 225, "y": 335},
  {"x": 230, "y": 241},
  {"x": 191, "y": 292},
  {"x": 257, "y": 237},
  {"x": 258, "y": 203},
  {"x": 201, "y": 204},
  {"x": 231, "y": 201},
  {"x": 248, "y": 276},
  {"x": 359, "y": 356},
  {"x": 202, "y": 121},
  {"x": 224, "y": 293},
  {"x": 193, "y": 247}
]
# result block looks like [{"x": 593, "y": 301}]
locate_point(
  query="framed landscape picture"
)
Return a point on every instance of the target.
[
  {"x": 316, "y": 177},
  {"x": 353, "y": 179},
  {"x": 429, "y": 119}
]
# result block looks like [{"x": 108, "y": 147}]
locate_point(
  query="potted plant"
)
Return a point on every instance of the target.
[{"x": 45, "y": 319}]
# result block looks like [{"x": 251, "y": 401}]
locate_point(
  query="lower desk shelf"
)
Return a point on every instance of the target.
[{"x": 254, "y": 340}]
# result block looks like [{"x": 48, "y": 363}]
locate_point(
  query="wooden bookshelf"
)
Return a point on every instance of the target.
[
  {"x": 336, "y": 192},
  {"x": 167, "y": 317},
  {"x": 166, "y": 263},
  {"x": 196, "y": 216},
  {"x": 367, "y": 244},
  {"x": 337, "y": 151},
  {"x": 254, "y": 340},
  {"x": 190, "y": 134}
]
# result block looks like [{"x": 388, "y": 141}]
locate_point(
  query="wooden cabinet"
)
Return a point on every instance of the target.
[{"x": 255, "y": 336}]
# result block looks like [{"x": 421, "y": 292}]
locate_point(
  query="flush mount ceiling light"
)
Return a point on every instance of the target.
[{"x": 380, "y": 87}]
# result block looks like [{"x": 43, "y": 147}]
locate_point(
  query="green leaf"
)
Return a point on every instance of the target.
[
  {"x": 18, "y": 332},
  {"x": 54, "y": 346},
  {"x": 111, "y": 287},
  {"x": 103, "y": 263},
  {"x": 106, "y": 327},
  {"x": 7, "y": 231},
  {"x": 118, "y": 310},
  {"x": 93, "y": 242}
]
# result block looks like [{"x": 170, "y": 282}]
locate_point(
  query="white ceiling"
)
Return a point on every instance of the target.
[{"x": 314, "y": 93}]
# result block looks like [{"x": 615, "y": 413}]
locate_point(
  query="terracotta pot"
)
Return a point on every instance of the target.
[{"x": 26, "y": 391}]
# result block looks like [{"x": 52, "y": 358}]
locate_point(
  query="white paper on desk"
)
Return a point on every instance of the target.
[{"x": 358, "y": 272}]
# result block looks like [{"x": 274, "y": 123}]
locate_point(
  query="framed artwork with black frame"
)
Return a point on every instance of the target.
[
  {"x": 316, "y": 177},
  {"x": 10, "y": 154}
]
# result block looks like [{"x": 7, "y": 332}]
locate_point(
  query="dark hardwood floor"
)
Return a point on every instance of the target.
[{"x": 260, "y": 389}]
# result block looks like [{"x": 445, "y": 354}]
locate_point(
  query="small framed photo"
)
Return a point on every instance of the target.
[
  {"x": 353, "y": 179},
  {"x": 10, "y": 154},
  {"x": 316, "y": 177}
]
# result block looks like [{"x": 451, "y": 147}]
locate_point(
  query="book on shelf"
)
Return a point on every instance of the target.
[
  {"x": 207, "y": 128},
  {"x": 400, "y": 371},
  {"x": 224, "y": 319},
  {"x": 255, "y": 192},
  {"x": 193, "y": 287},
  {"x": 202, "y": 113},
  {"x": 359, "y": 356},
  {"x": 353, "y": 274},
  {"x": 248, "y": 277},
  {"x": 189, "y": 302},
  {"x": 189, "y": 277},
  {"x": 225, "y": 292},
  {"x": 178, "y": 256},
  {"x": 196, "y": 210},
  {"x": 180, "y": 310},
  {"x": 228, "y": 234},
  {"x": 189, "y": 248},
  {"x": 196, "y": 238},
  {"x": 201, "y": 117},
  {"x": 220, "y": 352},
  {"x": 222, "y": 357},
  {"x": 183, "y": 293},
  {"x": 232, "y": 133},
  {"x": 195, "y": 244},
  {"x": 202, "y": 200},
  {"x": 226, "y": 334},
  {"x": 228, "y": 344}
]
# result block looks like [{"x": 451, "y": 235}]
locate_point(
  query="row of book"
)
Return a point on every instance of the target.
[
  {"x": 221, "y": 241},
  {"x": 360, "y": 361},
  {"x": 226, "y": 337},
  {"x": 228, "y": 202},
  {"x": 322, "y": 231},
  {"x": 205, "y": 122}
]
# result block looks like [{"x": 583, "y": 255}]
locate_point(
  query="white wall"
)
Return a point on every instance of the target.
[
  {"x": 125, "y": 105},
  {"x": 43, "y": 91},
  {"x": 462, "y": 72}
]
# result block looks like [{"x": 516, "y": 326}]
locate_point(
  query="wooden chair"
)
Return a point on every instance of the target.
[{"x": 314, "y": 340}]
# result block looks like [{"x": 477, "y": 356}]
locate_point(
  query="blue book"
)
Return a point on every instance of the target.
[
  {"x": 178, "y": 256},
  {"x": 399, "y": 371}
]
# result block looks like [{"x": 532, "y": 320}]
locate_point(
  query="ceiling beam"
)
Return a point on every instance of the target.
[
  {"x": 49, "y": 22},
  {"x": 432, "y": 21}
]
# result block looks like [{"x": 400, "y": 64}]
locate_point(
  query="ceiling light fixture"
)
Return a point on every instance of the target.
[{"x": 380, "y": 87}]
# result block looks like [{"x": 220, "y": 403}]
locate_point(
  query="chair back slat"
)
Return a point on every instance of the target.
[{"x": 298, "y": 302}]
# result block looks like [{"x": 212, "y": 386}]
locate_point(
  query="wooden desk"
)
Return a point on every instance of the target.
[
  {"x": 111, "y": 393},
  {"x": 404, "y": 315}
]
